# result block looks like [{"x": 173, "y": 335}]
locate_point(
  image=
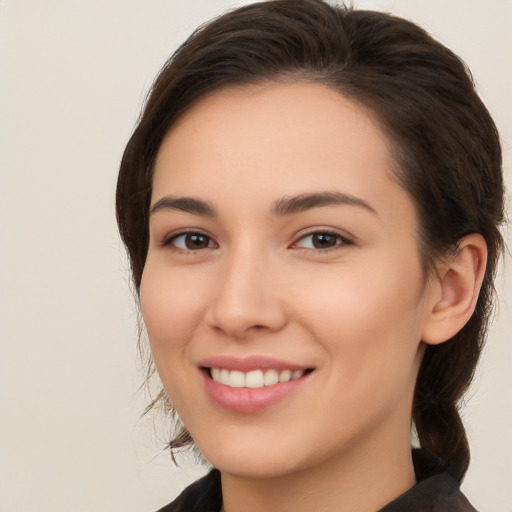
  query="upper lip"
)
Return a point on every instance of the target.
[{"x": 247, "y": 364}]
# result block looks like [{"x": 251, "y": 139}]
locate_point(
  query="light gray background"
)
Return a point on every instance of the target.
[{"x": 72, "y": 80}]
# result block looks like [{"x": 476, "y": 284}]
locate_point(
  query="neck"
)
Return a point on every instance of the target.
[{"x": 357, "y": 482}]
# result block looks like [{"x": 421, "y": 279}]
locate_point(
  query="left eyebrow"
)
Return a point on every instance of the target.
[{"x": 307, "y": 201}]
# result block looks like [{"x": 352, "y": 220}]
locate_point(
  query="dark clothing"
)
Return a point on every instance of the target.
[
  {"x": 434, "y": 492},
  {"x": 205, "y": 495}
]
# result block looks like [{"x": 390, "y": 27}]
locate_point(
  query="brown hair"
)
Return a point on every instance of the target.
[{"x": 445, "y": 144}]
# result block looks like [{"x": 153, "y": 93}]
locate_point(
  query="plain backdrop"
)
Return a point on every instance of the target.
[{"x": 73, "y": 75}]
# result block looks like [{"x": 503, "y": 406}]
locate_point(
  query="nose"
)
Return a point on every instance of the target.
[{"x": 248, "y": 299}]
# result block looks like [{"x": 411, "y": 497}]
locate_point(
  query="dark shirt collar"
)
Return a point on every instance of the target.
[{"x": 434, "y": 492}]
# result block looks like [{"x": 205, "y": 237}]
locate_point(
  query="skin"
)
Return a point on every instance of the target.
[{"x": 355, "y": 310}]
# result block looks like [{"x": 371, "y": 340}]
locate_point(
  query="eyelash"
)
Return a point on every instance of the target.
[
  {"x": 340, "y": 241},
  {"x": 170, "y": 241}
]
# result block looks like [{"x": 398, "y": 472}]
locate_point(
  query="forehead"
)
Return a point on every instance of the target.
[{"x": 281, "y": 138}]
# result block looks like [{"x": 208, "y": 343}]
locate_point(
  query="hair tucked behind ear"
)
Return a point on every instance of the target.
[{"x": 445, "y": 144}]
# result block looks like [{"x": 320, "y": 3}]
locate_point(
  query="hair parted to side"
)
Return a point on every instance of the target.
[{"x": 445, "y": 144}]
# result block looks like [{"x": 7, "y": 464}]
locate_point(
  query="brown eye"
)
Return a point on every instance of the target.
[
  {"x": 191, "y": 241},
  {"x": 322, "y": 240},
  {"x": 196, "y": 241}
]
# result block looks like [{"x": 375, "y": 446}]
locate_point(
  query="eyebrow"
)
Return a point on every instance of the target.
[
  {"x": 302, "y": 202},
  {"x": 282, "y": 207},
  {"x": 184, "y": 204}
]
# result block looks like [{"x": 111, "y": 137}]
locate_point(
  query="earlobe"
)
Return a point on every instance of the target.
[{"x": 456, "y": 288}]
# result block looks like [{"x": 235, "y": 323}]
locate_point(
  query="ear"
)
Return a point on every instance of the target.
[{"x": 454, "y": 290}]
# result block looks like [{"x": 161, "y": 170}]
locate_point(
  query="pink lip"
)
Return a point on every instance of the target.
[
  {"x": 249, "y": 400},
  {"x": 247, "y": 364}
]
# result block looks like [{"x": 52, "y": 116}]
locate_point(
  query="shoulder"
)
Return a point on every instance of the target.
[
  {"x": 439, "y": 493},
  {"x": 204, "y": 495},
  {"x": 434, "y": 492}
]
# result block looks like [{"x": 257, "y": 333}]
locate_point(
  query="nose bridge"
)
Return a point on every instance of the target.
[{"x": 246, "y": 299}]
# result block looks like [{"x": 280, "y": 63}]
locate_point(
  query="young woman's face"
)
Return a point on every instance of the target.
[{"x": 283, "y": 291}]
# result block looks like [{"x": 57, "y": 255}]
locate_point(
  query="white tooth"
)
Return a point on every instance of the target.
[
  {"x": 285, "y": 376},
  {"x": 297, "y": 374},
  {"x": 215, "y": 374},
  {"x": 254, "y": 379},
  {"x": 224, "y": 377},
  {"x": 271, "y": 377},
  {"x": 236, "y": 379}
]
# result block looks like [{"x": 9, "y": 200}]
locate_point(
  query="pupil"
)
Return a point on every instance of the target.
[
  {"x": 196, "y": 241},
  {"x": 323, "y": 240}
]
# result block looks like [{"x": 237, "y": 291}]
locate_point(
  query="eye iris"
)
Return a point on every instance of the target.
[
  {"x": 196, "y": 241},
  {"x": 324, "y": 240}
]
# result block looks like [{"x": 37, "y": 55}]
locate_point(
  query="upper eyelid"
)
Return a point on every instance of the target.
[
  {"x": 323, "y": 230},
  {"x": 345, "y": 237},
  {"x": 342, "y": 242},
  {"x": 168, "y": 238}
]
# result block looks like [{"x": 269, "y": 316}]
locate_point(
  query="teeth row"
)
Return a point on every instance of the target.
[{"x": 255, "y": 378}]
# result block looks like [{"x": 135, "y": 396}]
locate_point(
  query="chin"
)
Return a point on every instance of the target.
[
  {"x": 251, "y": 461},
  {"x": 255, "y": 469}
]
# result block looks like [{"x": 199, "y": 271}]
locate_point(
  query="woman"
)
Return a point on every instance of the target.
[{"x": 310, "y": 203}]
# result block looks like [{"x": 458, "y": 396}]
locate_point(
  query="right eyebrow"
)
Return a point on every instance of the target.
[{"x": 184, "y": 204}]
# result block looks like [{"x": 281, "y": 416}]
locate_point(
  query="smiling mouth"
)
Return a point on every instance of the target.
[{"x": 254, "y": 379}]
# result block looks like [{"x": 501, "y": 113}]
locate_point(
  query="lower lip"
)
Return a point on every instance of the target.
[{"x": 250, "y": 400}]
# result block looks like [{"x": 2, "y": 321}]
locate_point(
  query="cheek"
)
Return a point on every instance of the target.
[
  {"x": 171, "y": 308},
  {"x": 369, "y": 319}
]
